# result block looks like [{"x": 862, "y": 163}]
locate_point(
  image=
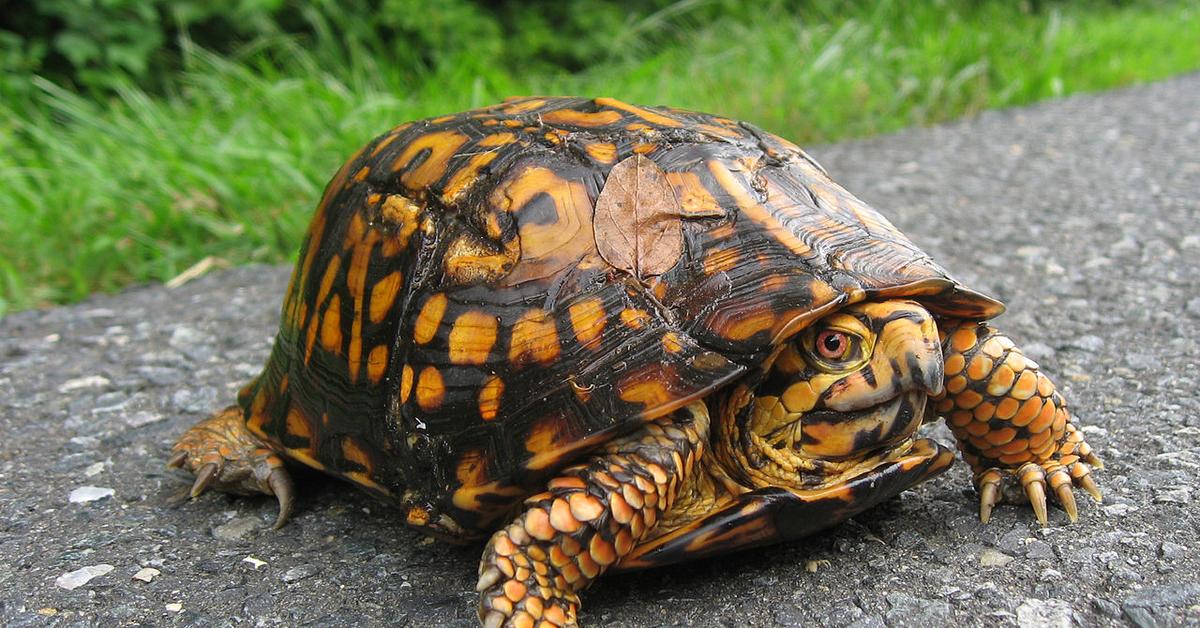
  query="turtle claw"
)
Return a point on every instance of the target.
[
  {"x": 280, "y": 483},
  {"x": 1088, "y": 484},
  {"x": 1035, "y": 490},
  {"x": 1060, "y": 482},
  {"x": 204, "y": 478},
  {"x": 989, "y": 494},
  {"x": 176, "y": 461},
  {"x": 1067, "y": 500},
  {"x": 488, "y": 578}
]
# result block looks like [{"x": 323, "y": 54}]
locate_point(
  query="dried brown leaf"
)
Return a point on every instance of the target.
[{"x": 638, "y": 223}]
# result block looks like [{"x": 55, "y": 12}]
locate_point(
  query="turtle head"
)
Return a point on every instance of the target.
[{"x": 846, "y": 392}]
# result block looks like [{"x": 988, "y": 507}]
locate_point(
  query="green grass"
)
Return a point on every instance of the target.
[{"x": 97, "y": 193}]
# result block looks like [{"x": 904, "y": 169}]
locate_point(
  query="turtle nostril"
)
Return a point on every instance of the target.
[{"x": 926, "y": 371}]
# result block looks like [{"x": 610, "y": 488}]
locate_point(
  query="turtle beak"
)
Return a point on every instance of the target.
[{"x": 909, "y": 341}]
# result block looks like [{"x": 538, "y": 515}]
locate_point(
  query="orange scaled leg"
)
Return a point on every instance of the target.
[
  {"x": 589, "y": 517},
  {"x": 1011, "y": 423},
  {"x": 224, "y": 455}
]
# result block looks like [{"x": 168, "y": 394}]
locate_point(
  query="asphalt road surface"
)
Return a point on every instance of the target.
[{"x": 1082, "y": 214}]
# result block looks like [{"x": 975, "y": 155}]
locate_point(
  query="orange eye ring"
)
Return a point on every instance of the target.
[{"x": 832, "y": 344}]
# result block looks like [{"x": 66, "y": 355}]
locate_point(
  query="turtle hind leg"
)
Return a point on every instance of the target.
[{"x": 224, "y": 455}]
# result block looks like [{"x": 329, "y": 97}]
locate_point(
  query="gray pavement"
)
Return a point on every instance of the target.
[{"x": 1082, "y": 214}]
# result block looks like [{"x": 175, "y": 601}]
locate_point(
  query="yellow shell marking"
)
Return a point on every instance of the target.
[
  {"x": 645, "y": 114},
  {"x": 753, "y": 210},
  {"x": 471, "y": 468},
  {"x": 331, "y": 326},
  {"x": 749, "y": 325},
  {"x": 311, "y": 245},
  {"x": 356, "y": 279},
  {"x": 406, "y": 383},
  {"x": 523, "y": 106},
  {"x": 695, "y": 201},
  {"x": 581, "y": 118},
  {"x": 441, "y": 144},
  {"x": 651, "y": 392},
  {"x": 431, "y": 390},
  {"x": 717, "y": 261},
  {"x": 465, "y": 176},
  {"x": 354, "y": 453},
  {"x": 496, "y": 139},
  {"x": 603, "y": 152},
  {"x": 430, "y": 318},
  {"x": 470, "y": 260},
  {"x": 297, "y": 424},
  {"x": 489, "y": 397},
  {"x": 404, "y": 214},
  {"x": 326, "y": 284},
  {"x": 472, "y": 337},
  {"x": 391, "y": 137},
  {"x": 634, "y": 318},
  {"x": 547, "y": 247},
  {"x": 534, "y": 339},
  {"x": 383, "y": 295},
  {"x": 377, "y": 362},
  {"x": 588, "y": 320},
  {"x": 544, "y": 436},
  {"x": 718, "y": 130}
]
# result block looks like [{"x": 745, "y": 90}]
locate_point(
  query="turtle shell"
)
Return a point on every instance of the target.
[{"x": 469, "y": 313}]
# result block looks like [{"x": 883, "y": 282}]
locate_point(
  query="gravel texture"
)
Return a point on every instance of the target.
[{"x": 1082, "y": 214}]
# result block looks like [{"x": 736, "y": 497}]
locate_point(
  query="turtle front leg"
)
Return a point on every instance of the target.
[
  {"x": 1011, "y": 423},
  {"x": 590, "y": 516},
  {"x": 224, "y": 455}
]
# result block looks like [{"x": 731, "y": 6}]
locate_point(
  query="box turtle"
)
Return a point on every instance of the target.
[{"x": 607, "y": 337}]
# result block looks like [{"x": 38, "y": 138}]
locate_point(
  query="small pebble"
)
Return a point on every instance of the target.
[
  {"x": 1173, "y": 495},
  {"x": 295, "y": 574},
  {"x": 993, "y": 558},
  {"x": 1118, "y": 510},
  {"x": 74, "y": 579},
  {"x": 79, "y": 383},
  {"x": 1172, "y": 551},
  {"x": 1038, "y": 549},
  {"x": 146, "y": 574},
  {"x": 174, "y": 607},
  {"x": 237, "y": 529},
  {"x": 1052, "y": 613},
  {"x": 86, "y": 494},
  {"x": 142, "y": 417},
  {"x": 94, "y": 469}
]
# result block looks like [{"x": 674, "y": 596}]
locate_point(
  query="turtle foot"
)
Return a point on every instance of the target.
[
  {"x": 225, "y": 456},
  {"x": 1030, "y": 483}
]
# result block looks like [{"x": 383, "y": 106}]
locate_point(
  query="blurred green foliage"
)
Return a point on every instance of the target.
[
  {"x": 95, "y": 44},
  {"x": 98, "y": 44}
]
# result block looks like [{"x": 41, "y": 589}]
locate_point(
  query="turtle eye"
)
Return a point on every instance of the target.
[
  {"x": 834, "y": 349},
  {"x": 832, "y": 344}
]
